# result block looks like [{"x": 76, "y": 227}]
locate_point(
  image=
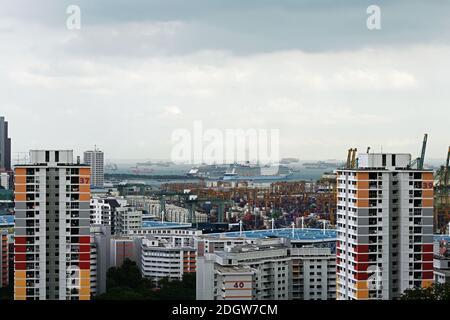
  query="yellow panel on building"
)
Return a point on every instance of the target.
[
  {"x": 362, "y": 294},
  {"x": 85, "y": 291},
  {"x": 85, "y": 274},
  {"x": 20, "y": 292},
  {"x": 361, "y": 285},
  {"x": 85, "y": 282}
]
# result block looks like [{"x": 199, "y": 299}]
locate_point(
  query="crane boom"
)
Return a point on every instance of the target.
[
  {"x": 348, "y": 157},
  {"x": 446, "y": 169},
  {"x": 353, "y": 164},
  {"x": 422, "y": 155}
]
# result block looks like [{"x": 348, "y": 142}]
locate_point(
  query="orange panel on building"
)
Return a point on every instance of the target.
[
  {"x": 85, "y": 188},
  {"x": 362, "y": 184},
  {"x": 85, "y": 172},
  {"x": 427, "y": 176},
  {"x": 85, "y": 197},
  {"x": 20, "y": 197},
  {"x": 427, "y": 194},
  {"x": 427, "y": 203},
  {"x": 362, "y": 203},
  {"x": 20, "y": 180},
  {"x": 362, "y": 176},
  {"x": 21, "y": 188},
  {"x": 20, "y": 172},
  {"x": 362, "y": 194}
]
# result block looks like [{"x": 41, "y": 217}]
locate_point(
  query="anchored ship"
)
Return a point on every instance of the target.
[{"x": 241, "y": 172}]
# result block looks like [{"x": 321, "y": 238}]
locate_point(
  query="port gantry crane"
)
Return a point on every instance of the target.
[{"x": 442, "y": 195}]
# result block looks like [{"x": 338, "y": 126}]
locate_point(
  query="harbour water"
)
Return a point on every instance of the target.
[{"x": 299, "y": 174}]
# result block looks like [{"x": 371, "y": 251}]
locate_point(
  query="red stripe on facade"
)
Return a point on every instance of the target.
[
  {"x": 85, "y": 239},
  {"x": 361, "y": 276},
  {"x": 361, "y": 266},
  {"x": 427, "y": 266},
  {"x": 85, "y": 257},
  {"x": 427, "y": 257},
  {"x": 20, "y": 240},
  {"x": 361, "y": 257},
  {"x": 362, "y": 248},
  {"x": 85, "y": 248}
]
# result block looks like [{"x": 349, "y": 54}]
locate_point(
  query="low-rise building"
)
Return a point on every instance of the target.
[
  {"x": 269, "y": 268},
  {"x": 100, "y": 257},
  {"x": 167, "y": 258},
  {"x": 127, "y": 219},
  {"x": 442, "y": 260},
  {"x": 101, "y": 212},
  {"x": 122, "y": 248}
]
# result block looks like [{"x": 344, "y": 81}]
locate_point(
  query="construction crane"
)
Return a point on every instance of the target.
[
  {"x": 420, "y": 160},
  {"x": 349, "y": 154},
  {"x": 353, "y": 164},
  {"x": 351, "y": 158}
]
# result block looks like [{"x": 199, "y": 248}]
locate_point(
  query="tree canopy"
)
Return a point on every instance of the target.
[
  {"x": 126, "y": 283},
  {"x": 436, "y": 291}
]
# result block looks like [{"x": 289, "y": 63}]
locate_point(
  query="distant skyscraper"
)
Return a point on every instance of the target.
[
  {"x": 5, "y": 146},
  {"x": 95, "y": 159},
  {"x": 384, "y": 228},
  {"x": 52, "y": 234}
]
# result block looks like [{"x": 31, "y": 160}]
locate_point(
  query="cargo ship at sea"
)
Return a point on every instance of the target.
[{"x": 241, "y": 172}]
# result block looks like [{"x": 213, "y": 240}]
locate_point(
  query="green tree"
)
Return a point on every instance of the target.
[
  {"x": 436, "y": 291},
  {"x": 126, "y": 283}
]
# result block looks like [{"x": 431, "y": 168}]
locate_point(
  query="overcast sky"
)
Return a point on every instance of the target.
[{"x": 138, "y": 70}]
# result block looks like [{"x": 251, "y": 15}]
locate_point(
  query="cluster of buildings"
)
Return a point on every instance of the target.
[{"x": 63, "y": 230}]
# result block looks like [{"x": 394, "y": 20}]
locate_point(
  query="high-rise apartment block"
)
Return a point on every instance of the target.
[
  {"x": 5, "y": 146},
  {"x": 95, "y": 159},
  {"x": 384, "y": 227},
  {"x": 52, "y": 235}
]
